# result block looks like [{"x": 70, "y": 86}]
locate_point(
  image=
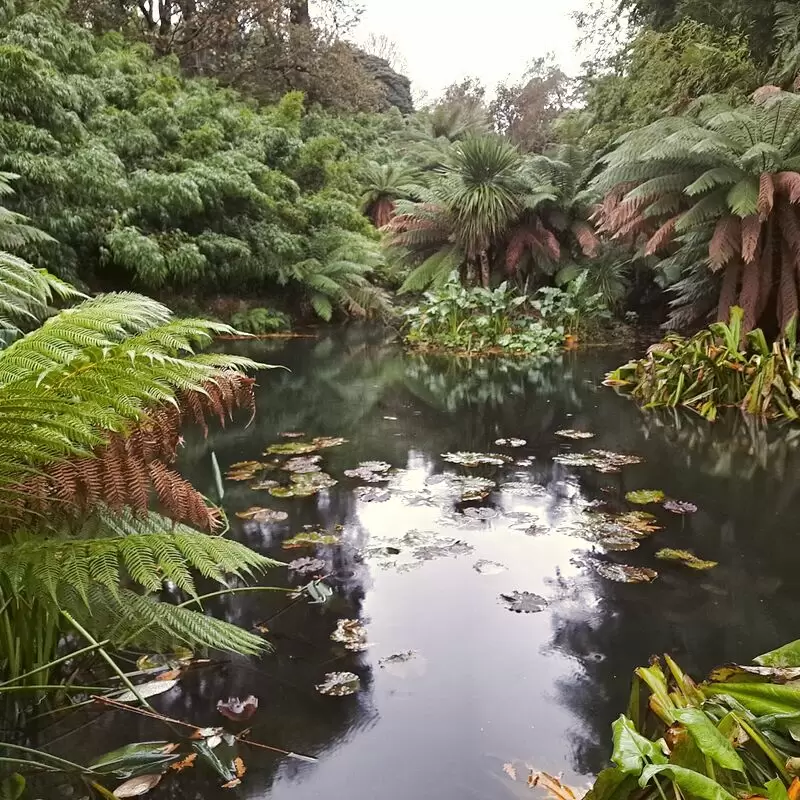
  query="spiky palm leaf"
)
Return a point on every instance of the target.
[
  {"x": 726, "y": 177},
  {"x": 383, "y": 185}
]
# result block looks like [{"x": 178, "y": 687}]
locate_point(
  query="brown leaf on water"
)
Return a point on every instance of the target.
[
  {"x": 170, "y": 675},
  {"x": 231, "y": 784},
  {"x": 184, "y": 763},
  {"x": 239, "y": 767},
  {"x": 552, "y": 785},
  {"x": 510, "y": 770},
  {"x": 236, "y": 709}
]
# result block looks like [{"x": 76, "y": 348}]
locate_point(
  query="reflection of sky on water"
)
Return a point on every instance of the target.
[{"x": 490, "y": 686}]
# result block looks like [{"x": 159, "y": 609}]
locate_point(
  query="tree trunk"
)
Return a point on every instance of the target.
[
  {"x": 299, "y": 13},
  {"x": 485, "y": 272},
  {"x": 470, "y": 276}
]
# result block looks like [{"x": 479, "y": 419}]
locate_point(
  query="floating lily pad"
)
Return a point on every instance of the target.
[
  {"x": 303, "y": 464},
  {"x": 620, "y": 543},
  {"x": 474, "y": 489},
  {"x": 258, "y": 514},
  {"x": 264, "y": 485},
  {"x": 680, "y": 507},
  {"x": 404, "y": 665},
  {"x": 470, "y": 459},
  {"x": 180, "y": 656},
  {"x": 290, "y": 449},
  {"x": 307, "y": 566},
  {"x": 291, "y": 435},
  {"x": 366, "y": 475},
  {"x": 243, "y": 470},
  {"x": 484, "y": 567},
  {"x": 642, "y": 497},
  {"x": 524, "y": 462},
  {"x": 510, "y": 442},
  {"x": 316, "y": 480},
  {"x": 443, "y": 549},
  {"x": 372, "y": 494},
  {"x": 604, "y": 461},
  {"x": 640, "y": 523},
  {"x": 310, "y": 539},
  {"x": 571, "y": 433},
  {"x": 481, "y": 513},
  {"x": 524, "y": 602},
  {"x": 686, "y": 558},
  {"x": 523, "y": 489},
  {"x": 624, "y": 573},
  {"x": 352, "y": 634},
  {"x": 375, "y": 466},
  {"x": 237, "y": 709},
  {"x": 339, "y": 684}
]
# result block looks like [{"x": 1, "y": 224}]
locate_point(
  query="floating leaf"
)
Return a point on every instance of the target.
[
  {"x": 642, "y": 497},
  {"x": 259, "y": 514},
  {"x": 149, "y": 689},
  {"x": 375, "y": 466},
  {"x": 135, "y": 787},
  {"x": 236, "y": 709},
  {"x": 524, "y": 462},
  {"x": 510, "y": 442},
  {"x": 339, "y": 684},
  {"x": 243, "y": 470},
  {"x": 618, "y": 543},
  {"x": 470, "y": 459},
  {"x": 367, "y": 475},
  {"x": 310, "y": 539},
  {"x": 185, "y": 763},
  {"x": 314, "y": 480},
  {"x": 524, "y": 602},
  {"x": 178, "y": 657},
  {"x": 510, "y": 770},
  {"x": 740, "y": 672},
  {"x": 372, "y": 494},
  {"x": 135, "y": 759},
  {"x": 324, "y": 442},
  {"x": 307, "y": 565},
  {"x": 403, "y": 665},
  {"x": 481, "y": 513},
  {"x": 290, "y": 449},
  {"x": 291, "y": 435},
  {"x": 352, "y": 634},
  {"x": 624, "y": 573},
  {"x": 475, "y": 489},
  {"x": 571, "y": 433},
  {"x": 484, "y": 567},
  {"x": 604, "y": 461},
  {"x": 680, "y": 507},
  {"x": 282, "y": 491},
  {"x": 554, "y": 787},
  {"x": 443, "y": 549},
  {"x": 641, "y": 523},
  {"x": 685, "y": 557},
  {"x": 303, "y": 464},
  {"x": 523, "y": 489},
  {"x": 263, "y": 485}
]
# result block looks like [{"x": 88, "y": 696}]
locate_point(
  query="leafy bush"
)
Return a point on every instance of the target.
[
  {"x": 718, "y": 368},
  {"x": 260, "y": 320},
  {"x": 479, "y": 320},
  {"x": 575, "y": 308}
]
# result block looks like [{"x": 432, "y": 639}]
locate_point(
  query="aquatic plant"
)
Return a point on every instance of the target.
[{"x": 719, "y": 367}]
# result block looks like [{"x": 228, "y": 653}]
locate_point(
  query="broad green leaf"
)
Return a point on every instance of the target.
[
  {"x": 693, "y": 783},
  {"x": 776, "y": 790},
  {"x": 786, "y": 656},
  {"x": 759, "y": 698},
  {"x": 612, "y": 784},
  {"x": 135, "y": 759},
  {"x": 709, "y": 739},
  {"x": 12, "y": 787},
  {"x": 632, "y": 750}
]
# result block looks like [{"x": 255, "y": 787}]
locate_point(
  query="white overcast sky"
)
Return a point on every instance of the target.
[{"x": 445, "y": 40}]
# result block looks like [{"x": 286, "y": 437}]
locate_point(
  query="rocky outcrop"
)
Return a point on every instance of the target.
[{"x": 396, "y": 87}]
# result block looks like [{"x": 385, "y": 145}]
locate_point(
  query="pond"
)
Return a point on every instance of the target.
[{"x": 483, "y": 685}]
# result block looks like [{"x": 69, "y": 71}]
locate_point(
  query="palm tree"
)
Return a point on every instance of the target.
[
  {"x": 383, "y": 185},
  {"x": 717, "y": 195},
  {"x": 94, "y": 516},
  {"x": 489, "y": 206}
]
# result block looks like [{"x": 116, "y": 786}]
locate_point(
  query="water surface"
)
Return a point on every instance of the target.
[{"x": 487, "y": 685}]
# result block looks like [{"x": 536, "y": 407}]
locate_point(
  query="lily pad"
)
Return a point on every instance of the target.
[
  {"x": 264, "y": 485},
  {"x": 313, "y": 480},
  {"x": 571, "y": 433},
  {"x": 339, "y": 684},
  {"x": 680, "y": 507},
  {"x": 524, "y": 462},
  {"x": 375, "y": 466},
  {"x": 510, "y": 442},
  {"x": 366, "y": 475},
  {"x": 237, "y": 709},
  {"x": 481, "y": 513},
  {"x": 604, "y": 461},
  {"x": 352, "y": 634},
  {"x": 290, "y": 449},
  {"x": 372, "y": 494},
  {"x": 303, "y": 464},
  {"x": 640, "y": 523},
  {"x": 443, "y": 549},
  {"x": 484, "y": 567},
  {"x": 471, "y": 459},
  {"x": 475, "y": 489},
  {"x": 643, "y": 497},
  {"x": 623, "y": 573},
  {"x": 685, "y": 557},
  {"x": 291, "y": 435},
  {"x": 523, "y": 489},
  {"x": 307, "y": 566},
  {"x": 310, "y": 539},
  {"x": 524, "y": 602},
  {"x": 324, "y": 442},
  {"x": 259, "y": 514},
  {"x": 243, "y": 470},
  {"x": 180, "y": 656},
  {"x": 404, "y": 665},
  {"x": 619, "y": 543}
]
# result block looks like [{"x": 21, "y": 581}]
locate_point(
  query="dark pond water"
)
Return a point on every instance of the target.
[{"x": 486, "y": 685}]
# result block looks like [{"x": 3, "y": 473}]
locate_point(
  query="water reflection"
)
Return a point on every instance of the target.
[{"x": 490, "y": 685}]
